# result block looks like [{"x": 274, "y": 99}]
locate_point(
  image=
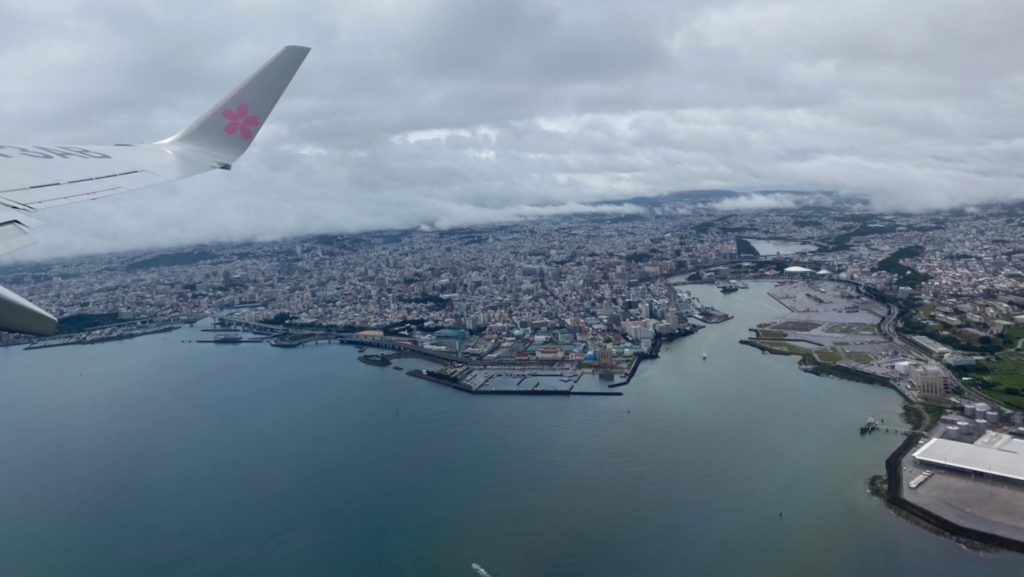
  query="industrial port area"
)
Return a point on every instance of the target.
[
  {"x": 969, "y": 470},
  {"x": 832, "y": 321},
  {"x": 965, "y": 474},
  {"x": 838, "y": 330}
]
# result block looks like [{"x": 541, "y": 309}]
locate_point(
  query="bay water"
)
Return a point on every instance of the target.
[{"x": 159, "y": 457}]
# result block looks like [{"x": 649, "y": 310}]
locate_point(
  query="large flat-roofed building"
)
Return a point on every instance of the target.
[
  {"x": 930, "y": 380},
  {"x": 934, "y": 347},
  {"x": 995, "y": 454}
]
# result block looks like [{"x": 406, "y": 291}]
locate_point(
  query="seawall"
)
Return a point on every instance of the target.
[{"x": 894, "y": 497}]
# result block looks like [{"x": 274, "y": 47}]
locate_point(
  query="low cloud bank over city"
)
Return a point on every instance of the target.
[{"x": 442, "y": 114}]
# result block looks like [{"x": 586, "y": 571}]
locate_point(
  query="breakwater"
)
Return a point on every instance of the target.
[
  {"x": 455, "y": 384},
  {"x": 77, "y": 340}
]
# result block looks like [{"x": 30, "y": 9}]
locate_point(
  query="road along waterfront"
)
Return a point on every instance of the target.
[{"x": 158, "y": 457}]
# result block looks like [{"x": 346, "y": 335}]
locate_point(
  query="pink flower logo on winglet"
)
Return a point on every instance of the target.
[{"x": 240, "y": 121}]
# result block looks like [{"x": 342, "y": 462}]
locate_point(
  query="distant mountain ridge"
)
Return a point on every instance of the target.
[{"x": 708, "y": 195}]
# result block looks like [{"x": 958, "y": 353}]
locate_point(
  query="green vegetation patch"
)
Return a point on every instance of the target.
[
  {"x": 377, "y": 360},
  {"x": 842, "y": 242},
  {"x": 849, "y": 374},
  {"x": 934, "y": 414},
  {"x": 743, "y": 247},
  {"x": 1003, "y": 380},
  {"x": 921, "y": 416},
  {"x": 828, "y": 355},
  {"x": 908, "y": 276},
  {"x": 914, "y": 416},
  {"x": 878, "y": 485},
  {"x": 434, "y": 301},
  {"x": 84, "y": 322},
  {"x": 172, "y": 259},
  {"x": 783, "y": 347},
  {"x": 797, "y": 326}
]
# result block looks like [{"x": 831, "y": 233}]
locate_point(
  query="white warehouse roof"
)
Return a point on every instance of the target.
[
  {"x": 797, "y": 269},
  {"x": 995, "y": 454}
]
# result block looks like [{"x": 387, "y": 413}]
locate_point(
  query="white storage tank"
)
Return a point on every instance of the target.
[
  {"x": 992, "y": 417},
  {"x": 952, "y": 433},
  {"x": 969, "y": 410},
  {"x": 981, "y": 409},
  {"x": 980, "y": 425},
  {"x": 965, "y": 427}
]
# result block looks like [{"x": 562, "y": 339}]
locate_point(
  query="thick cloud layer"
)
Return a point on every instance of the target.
[{"x": 444, "y": 113}]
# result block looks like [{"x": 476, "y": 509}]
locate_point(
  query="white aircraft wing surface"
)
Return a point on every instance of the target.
[{"x": 34, "y": 177}]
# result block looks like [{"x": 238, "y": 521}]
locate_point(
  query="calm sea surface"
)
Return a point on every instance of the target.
[{"x": 157, "y": 457}]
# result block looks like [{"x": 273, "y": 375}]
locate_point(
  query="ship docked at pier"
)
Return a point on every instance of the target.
[
  {"x": 693, "y": 308},
  {"x": 870, "y": 426}
]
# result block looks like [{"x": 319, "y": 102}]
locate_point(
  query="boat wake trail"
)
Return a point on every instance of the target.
[{"x": 480, "y": 570}]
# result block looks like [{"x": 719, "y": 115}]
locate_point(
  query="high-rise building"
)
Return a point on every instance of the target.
[{"x": 930, "y": 380}]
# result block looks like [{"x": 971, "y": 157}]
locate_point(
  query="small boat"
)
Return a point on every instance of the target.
[
  {"x": 705, "y": 357},
  {"x": 397, "y": 368}
]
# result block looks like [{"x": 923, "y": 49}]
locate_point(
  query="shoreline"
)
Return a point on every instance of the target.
[
  {"x": 100, "y": 340},
  {"x": 893, "y": 492},
  {"x": 893, "y": 496}
]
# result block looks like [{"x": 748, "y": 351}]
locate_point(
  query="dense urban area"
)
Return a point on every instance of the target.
[{"x": 928, "y": 304}]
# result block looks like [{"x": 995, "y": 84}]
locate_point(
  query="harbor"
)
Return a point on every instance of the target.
[
  {"x": 693, "y": 308},
  {"x": 316, "y": 408}
]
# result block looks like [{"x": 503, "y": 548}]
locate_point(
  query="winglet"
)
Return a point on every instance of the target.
[
  {"x": 227, "y": 129},
  {"x": 20, "y": 316}
]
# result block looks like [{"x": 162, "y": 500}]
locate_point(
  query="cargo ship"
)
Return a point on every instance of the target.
[{"x": 227, "y": 339}]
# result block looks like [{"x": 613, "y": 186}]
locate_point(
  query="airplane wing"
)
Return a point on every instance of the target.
[{"x": 36, "y": 177}]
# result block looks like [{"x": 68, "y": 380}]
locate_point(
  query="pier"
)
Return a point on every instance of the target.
[{"x": 534, "y": 390}]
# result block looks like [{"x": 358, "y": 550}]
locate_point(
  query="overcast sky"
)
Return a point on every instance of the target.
[{"x": 443, "y": 113}]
